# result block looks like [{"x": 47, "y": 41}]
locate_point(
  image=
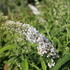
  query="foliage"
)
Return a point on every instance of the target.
[
  {"x": 22, "y": 55},
  {"x": 61, "y": 61}
]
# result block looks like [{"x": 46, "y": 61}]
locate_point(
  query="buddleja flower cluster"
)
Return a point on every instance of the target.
[{"x": 32, "y": 35}]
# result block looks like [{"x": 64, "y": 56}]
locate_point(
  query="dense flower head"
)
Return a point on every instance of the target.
[{"x": 33, "y": 36}]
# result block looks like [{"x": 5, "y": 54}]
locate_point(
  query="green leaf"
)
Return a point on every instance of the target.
[
  {"x": 24, "y": 64},
  {"x": 61, "y": 61},
  {"x": 8, "y": 47},
  {"x": 43, "y": 64},
  {"x": 35, "y": 66}
]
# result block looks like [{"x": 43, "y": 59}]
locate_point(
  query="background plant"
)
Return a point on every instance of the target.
[{"x": 56, "y": 29}]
